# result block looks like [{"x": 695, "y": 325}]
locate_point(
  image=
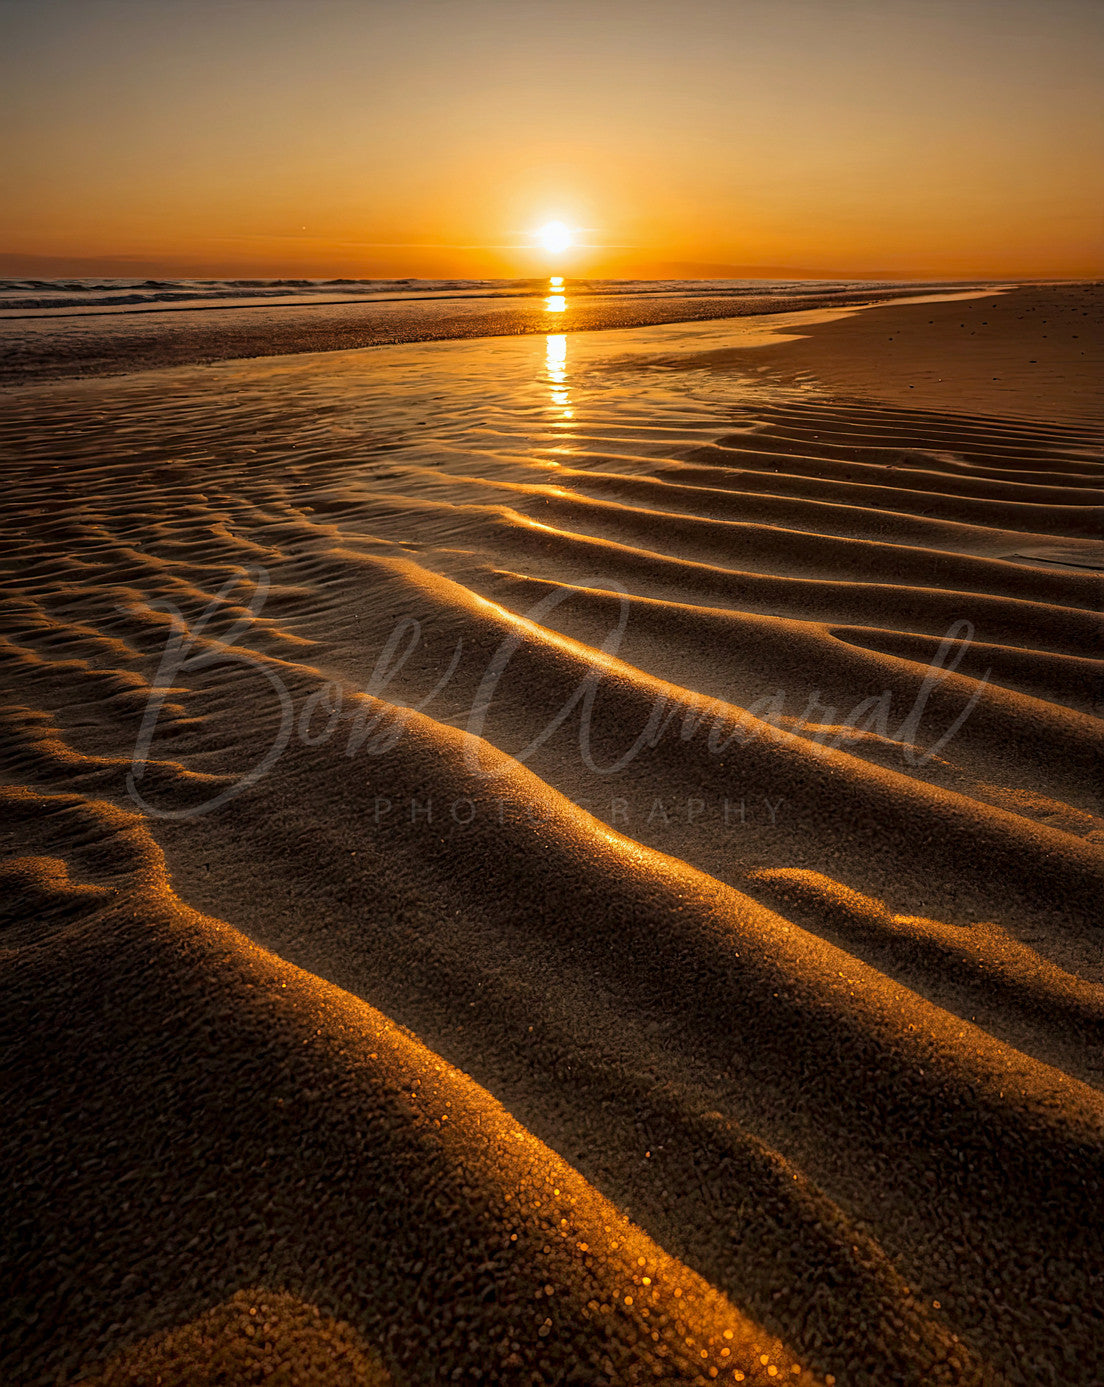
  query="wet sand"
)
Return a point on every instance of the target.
[
  {"x": 571, "y": 858},
  {"x": 1035, "y": 353},
  {"x": 63, "y": 344}
]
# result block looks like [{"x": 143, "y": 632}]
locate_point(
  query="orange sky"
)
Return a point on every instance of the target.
[{"x": 429, "y": 137}]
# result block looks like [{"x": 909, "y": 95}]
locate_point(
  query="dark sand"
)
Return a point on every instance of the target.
[{"x": 771, "y": 1052}]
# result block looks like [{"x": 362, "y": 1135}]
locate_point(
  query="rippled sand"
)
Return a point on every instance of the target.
[{"x": 560, "y": 859}]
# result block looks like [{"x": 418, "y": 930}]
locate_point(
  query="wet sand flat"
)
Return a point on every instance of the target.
[
  {"x": 561, "y": 858},
  {"x": 57, "y": 344},
  {"x": 1033, "y": 353}
]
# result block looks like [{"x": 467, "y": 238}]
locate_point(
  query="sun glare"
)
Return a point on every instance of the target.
[
  {"x": 555, "y": 356},
  {"x": 556, "y": 302},
  {"x": 555, "y": 236},
  {"x": 555, "y": 366}
]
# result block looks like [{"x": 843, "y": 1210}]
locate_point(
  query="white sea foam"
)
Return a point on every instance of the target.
[{"x": 99, "y": 295}]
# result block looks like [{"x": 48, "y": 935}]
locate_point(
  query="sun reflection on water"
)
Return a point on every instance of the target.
[
  {"x": 556, "y": 302},
  {"x": 555, "y": 367}
]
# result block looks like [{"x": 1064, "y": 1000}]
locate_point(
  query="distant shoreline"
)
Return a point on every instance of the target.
[{"x": 60, "y": 346}]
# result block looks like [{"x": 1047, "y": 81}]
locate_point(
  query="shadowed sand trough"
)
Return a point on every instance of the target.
[{"x": 564, "y": 860}]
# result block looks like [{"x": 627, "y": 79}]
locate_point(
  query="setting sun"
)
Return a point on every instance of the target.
[{"x": 555, "y": 236}]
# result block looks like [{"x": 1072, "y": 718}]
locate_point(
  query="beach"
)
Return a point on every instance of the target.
[
  {"x": 565, "y": 850},
  {"x": 87, "y": 328}
]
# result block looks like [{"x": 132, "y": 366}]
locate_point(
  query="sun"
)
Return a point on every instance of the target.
[{"x": 555, "y": 237}]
